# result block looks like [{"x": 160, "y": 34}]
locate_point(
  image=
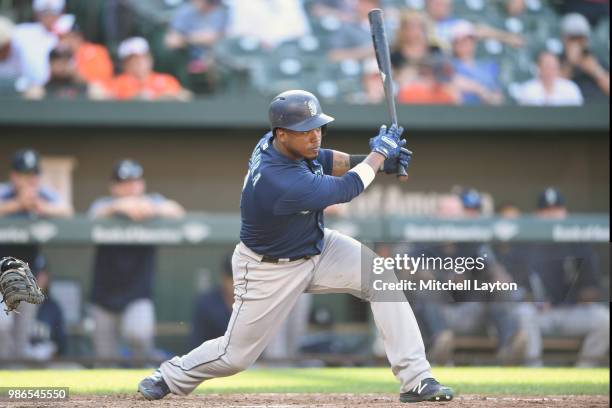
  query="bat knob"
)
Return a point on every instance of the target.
[{"x": 402, "y": 175}]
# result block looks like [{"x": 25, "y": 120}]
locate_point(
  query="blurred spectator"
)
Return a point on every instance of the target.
[
  {"x": 549, "y": 88},
  {"x": 35, "y": 41},
  {"x": 213, "y": 309},
  {"x": 593, "y": 10},
  {"x": 123, "y": 274},
  {"x": 434, "y": 85},
  {"x": 477, "y": 80},
  {"x": 579, "y": 64},
  {"x": 352, "y": 43},
  {"x": 472, "y": 203},
  {"x": 564, "y": 281},
  {"x": 49, "y": 337},
  {"x": 10, "y": 61},
  {"x": 272, "y": 22},
  {"x": 24, "y": 197},
  {"x": 197, "y": 26},
  {"x": 412, "y": 46},
  {"x": 508, "y": 210},
  {"x": 449, "y": 207},
  {"x": 441, "y": 14},
  {"x": 64, "y": 81},
  {"x": 515, "y": 8},
  {"x": 92, "y": 61},
  {"x": 353, "y": 40},
  {"x": 373, "y": 90},
  {"x": 551, "y": 204},
  {"x": 138, "y": 80},
  {"x": 343, "y": 10}
]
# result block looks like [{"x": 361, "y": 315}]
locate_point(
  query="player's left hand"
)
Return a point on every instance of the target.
[
  {"x": 392, "y": 166},
  {"x": 387, "y": 142}
]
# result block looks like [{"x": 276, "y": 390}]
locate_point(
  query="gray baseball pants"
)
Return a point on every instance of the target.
[
  {"x": 135, "y": 325},
  {"x": 265, "y": 293},
  {"x": 15, "y": 331}
]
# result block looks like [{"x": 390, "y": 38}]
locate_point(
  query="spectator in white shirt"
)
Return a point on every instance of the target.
[
  {"x": 440, "y": 12},
  {"x": 272, "y": 22},
  {"x": 549, "y": 88},
  {"x": 35, "y": 41},
  {"x": 10, "y": 63}
]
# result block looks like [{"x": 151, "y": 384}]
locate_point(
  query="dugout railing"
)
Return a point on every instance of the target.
[{"x": 191, "y": 250}]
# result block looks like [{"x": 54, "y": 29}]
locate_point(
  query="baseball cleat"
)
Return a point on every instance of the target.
[
  {"x": 154, "y": 387},
  {"x": 428, "y": 390}
]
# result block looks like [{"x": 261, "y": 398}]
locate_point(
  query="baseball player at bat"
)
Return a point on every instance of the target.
[{"x": 285, "y": 250}]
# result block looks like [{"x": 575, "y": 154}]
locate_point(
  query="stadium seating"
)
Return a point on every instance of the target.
[{"x": 245, "y": 65}]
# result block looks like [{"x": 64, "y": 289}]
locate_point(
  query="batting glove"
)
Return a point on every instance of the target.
[
  {"x": 392, "y": 166},
  {"x": 388, "y": 142}
]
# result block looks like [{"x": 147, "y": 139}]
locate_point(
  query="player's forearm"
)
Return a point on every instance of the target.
[
  {"x": 56, "y": 210},
  {"x": 603, "y": 81},
  {"x": 106, "y": 210},
  {"x": 203, "y": 38},
  {"x": 367, "y": 169},
  {"x": 343, "y": 162},
  {"x": 170, "y": 209},
  {"x": 9, "y": 207},
  {"x": 374, "y": 160}
]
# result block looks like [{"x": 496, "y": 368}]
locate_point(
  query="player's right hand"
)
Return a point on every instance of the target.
[
  {"x": 391, "y": 166},
  {"x": 388, "y": 142}
]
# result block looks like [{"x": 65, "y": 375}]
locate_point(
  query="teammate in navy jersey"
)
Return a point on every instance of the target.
[
  {"x": 26, "y": 197},
  {"x": 285, "y": 250}
]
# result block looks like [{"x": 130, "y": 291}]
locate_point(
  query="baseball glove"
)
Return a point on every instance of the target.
[{"x": 18, "y": 284}]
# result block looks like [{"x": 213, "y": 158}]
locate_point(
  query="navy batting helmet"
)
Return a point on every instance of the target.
[{"x": 297, "y": 110}]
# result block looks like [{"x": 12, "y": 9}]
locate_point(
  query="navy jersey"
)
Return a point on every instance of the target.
[
  {"x": 122, "y": 272},
  {"x": 29, "y": 253},
  {"x": 8, "y": 192},
  {"x": 560, "y": 271},
  {"x": 283, "y": 200},
  {"x": 210, "y": 317}
]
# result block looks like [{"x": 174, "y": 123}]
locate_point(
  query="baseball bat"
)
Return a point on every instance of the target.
[{"x": 383, "y": 58}]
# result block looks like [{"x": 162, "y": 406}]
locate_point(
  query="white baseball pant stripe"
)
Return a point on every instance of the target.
[{"x": 265, "y": 293}]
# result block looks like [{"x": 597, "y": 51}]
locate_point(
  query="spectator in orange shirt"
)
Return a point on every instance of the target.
[
  {"x": 93, "y": 63},
  {"x": 434, "y": 85},
  {"x": 138, "y": 80}
]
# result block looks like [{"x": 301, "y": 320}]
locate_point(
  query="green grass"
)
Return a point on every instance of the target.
[{"x": 471, "y": 380}]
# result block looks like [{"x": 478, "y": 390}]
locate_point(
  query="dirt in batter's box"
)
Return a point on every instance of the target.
[{"x": 321, "y": 400}]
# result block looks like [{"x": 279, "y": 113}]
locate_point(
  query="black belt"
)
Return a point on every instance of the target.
[{"x": 270, "y": 259}]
